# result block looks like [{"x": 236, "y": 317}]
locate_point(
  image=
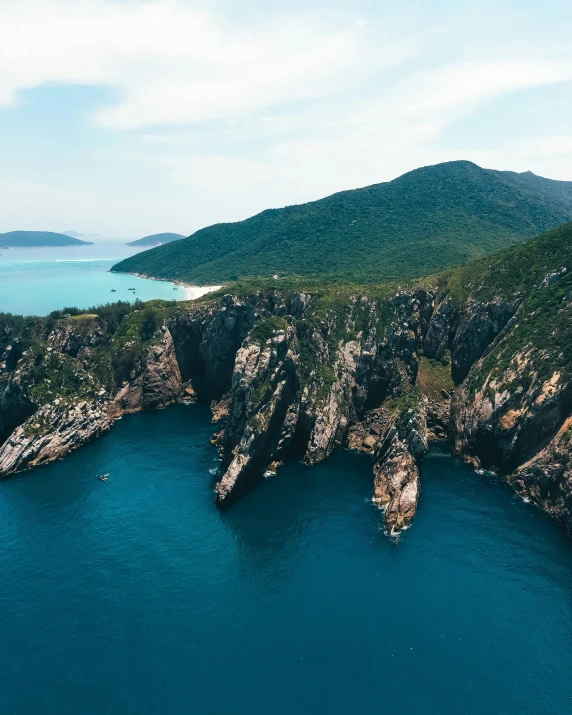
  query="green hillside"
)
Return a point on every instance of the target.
[
  {"x": 537, "y": 274},
  {"x": 157, "y": 239},
  {"x": 515, "y": 272},
  {"x": 420, "y": 223},
  {"x": 31, "y": 239}
]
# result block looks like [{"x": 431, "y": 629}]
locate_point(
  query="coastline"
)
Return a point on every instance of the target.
[{"x": 192, "y": 292}]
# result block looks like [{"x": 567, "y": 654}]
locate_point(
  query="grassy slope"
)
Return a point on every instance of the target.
[
  {"x": 543, "y": 323},
  {"x": 514, "y": 272},
  {"x": 420, "y": 223}
]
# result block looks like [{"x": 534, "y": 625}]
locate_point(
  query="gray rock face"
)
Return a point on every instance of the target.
[
  {"x": 156, "y": 381},
  {"x": 547, "y": 478},
  {"x": 73, "y": 339},
  {"x": 395, "y": 466},
  {"x": 260, "y": 423},
  {"x": 52, "y": 432},
  {"x": 501, "y": 425},
  {"x": 479, "y": 325},
  {"x": 289, "y": 376},
  {"x": 42, "y": 434},
  {"x": 396, "y": 485},
  {"x": 15, "y": 406},
  {"x": 277, "y": 408},
  {"x": 441, "y": 330},
  {"x": 208, "y": 337},
  {"x": 552, "y": 278}
]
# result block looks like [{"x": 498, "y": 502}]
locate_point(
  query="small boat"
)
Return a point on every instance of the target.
[
  {"x": 103, "y": 477},
  {"x": 113, "y": 290}
]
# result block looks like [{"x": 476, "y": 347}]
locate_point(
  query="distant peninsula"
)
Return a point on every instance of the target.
[
  {"x": 157, "y": 239},
  {"x": 35, "y": 239}
]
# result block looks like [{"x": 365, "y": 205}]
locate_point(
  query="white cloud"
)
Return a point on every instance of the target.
[
  {"x": 376, "y": 141},
  {"x": 462, "y": 86},
  {"x": 175, "y": 64},
  {"x": 156, "y": 138},
  {"x": 233, "y": 115}
]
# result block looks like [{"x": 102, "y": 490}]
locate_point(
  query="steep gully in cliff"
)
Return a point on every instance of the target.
[{"x": 290, "y": 377}]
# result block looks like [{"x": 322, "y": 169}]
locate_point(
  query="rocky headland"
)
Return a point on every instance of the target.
[{"x": 477, "y": 357}]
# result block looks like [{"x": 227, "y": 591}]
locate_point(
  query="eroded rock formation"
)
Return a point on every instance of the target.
[{"x": 296, "y": 374}]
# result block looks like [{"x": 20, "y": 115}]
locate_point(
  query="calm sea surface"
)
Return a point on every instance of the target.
[
  {"x": 35, "y": 281},
  {"x": 137, "y": 596}
]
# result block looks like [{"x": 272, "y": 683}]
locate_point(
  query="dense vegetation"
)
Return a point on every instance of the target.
[
  {"x": 30, "y": 239},
  {"x": 537, "y": 274},
  {"x": 157, "y": 239},
  {"x": 514, "y": 272},
  {"x": 124, "y": 332},
  {"x": 420, "y": 223}
]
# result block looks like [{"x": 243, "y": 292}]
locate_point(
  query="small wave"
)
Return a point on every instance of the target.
[{"x": 486, "y": 473}]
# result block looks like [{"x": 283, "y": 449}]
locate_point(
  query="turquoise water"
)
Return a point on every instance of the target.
[
  {"x": 35, "y": 281},
  {"x": 137, "y": 596}
]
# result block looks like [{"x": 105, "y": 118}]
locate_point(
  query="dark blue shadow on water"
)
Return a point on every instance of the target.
[{"x": 137, "y": 595}]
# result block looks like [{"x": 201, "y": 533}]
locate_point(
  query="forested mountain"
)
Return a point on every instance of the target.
[{"x": 420, "y": 223}]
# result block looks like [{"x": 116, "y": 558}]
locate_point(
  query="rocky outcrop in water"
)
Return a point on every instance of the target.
[
  {"x": 297, "y": 374},
  {"x": 395, "y": 465},
  {"x": 547, "y": 478},
  {"x": 260, "y": 423},
  {"x": 52, "y": 432},
  {"x": 288, "y": 376},
  {"x": 282, "y": 404},
  {"x": 48, "y": 430}
]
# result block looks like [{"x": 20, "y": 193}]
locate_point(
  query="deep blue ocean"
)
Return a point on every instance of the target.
[{"x": 137, "y": 596}]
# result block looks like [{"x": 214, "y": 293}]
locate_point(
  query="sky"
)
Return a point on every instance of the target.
[{"x": 130, "y": 117}]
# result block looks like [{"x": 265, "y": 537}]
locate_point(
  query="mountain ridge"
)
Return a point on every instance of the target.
[{"x": 422, "y": 222}]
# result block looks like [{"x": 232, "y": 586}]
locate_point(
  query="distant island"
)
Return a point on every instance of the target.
[
  {"x": 157, "y": 239},
  {"x": 83, "y": 236},
  {"x": 35, "y": 239}
]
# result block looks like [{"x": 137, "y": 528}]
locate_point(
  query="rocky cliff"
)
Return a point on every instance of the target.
[
  {"x": 288, "y": 374},
  {"x": 479, "y": 356},
  {"x": 55, "y": 403}
]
